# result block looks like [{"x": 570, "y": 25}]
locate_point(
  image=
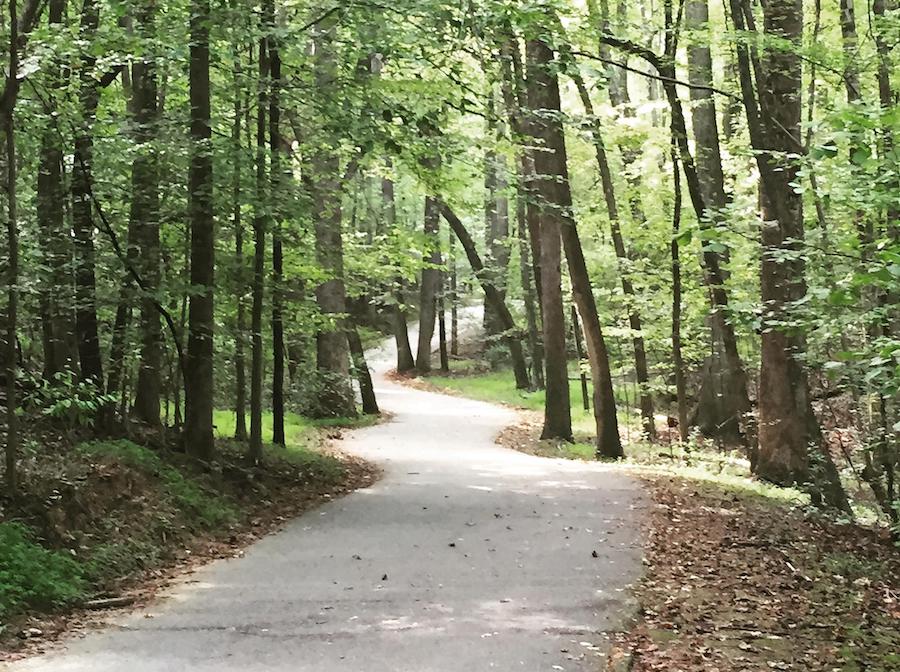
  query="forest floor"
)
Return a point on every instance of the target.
[
  {"x": 107, "y": 524},
  {"x": 739, "y": 575}
]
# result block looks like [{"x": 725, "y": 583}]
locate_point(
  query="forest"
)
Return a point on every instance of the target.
[{"x": 680, "y": 215}]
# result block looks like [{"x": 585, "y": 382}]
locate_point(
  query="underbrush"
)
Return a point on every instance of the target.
[
  {"x": 33, "y": 576},
  {"x": 98, "y": 517}
]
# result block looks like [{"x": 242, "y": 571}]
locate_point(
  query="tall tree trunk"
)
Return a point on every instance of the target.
[
  {"x": 56, "y": 301},
  {"x": 787, "y": 425},
  {"x": 520, "y": 370},
  {"x": 729, "y": 413},
  {"x": 82, "y": 206},
  {"x": 496, "y": 214},
  {"x": 276, "y": 192},
  {"x": 259, "y": 259},
  {"x": 543, "y": 190},
  {"x": 677, "y": 357},
  {"x": 552, "y": 177},
  {"x": 405, "y": 361},
  {"x": 454, "y": 298},
  {"x": 528, "y": 297},
  {"x": 12, "y": 264},
  {"x": 634, "y": 317},
  {"x": 443, "y": 356},
  {"x": 240, "y": 327},
  {"x": 428, "y": 288},
  {"x": 145, "y": 214},
  {"x": 198, "y": 397},
  {"x": 332, "y": 354}
]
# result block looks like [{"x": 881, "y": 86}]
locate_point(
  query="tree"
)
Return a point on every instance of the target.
[
  {"x": 198, "y": 383},
  {"x": 332, "y": 354},
  {"x": 145, "y": 214},
  {"x": 259, "y": 257},
  {"x": 551, "y": 171},
  {"x": 787, "y": 425},
  {"x": 83, "y": 205}
]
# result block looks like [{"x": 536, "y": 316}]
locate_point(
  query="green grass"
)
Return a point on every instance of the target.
[
  {"x": 471, "y": 379},
  {"x": 300, "y": 432},
  {"x": 32, "y": 576}
]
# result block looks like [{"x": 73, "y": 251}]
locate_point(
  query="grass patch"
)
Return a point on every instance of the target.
[
  {"x": 300, "y": 432},
  {"x": 32, "y": 576},
  {"x": 471, "y": 378}
]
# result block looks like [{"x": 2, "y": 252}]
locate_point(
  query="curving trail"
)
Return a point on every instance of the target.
[{"x": 465, "y": 557}]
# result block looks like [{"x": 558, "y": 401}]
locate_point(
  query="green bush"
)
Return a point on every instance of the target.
[{"x": 32, "y": 576}]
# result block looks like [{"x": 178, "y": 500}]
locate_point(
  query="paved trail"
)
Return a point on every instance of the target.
[{"x": 464, "y": 557}]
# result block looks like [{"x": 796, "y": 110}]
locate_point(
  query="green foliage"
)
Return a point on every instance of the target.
[
  {"x": 32, "y": 576},
  {"x": 68, "y": 399}
]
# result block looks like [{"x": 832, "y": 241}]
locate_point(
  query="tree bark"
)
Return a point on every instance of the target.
[
  {"x": 729, "y": 410},
  {"x": 528, "y": 295},
  {"x": 12, "y": 266},
  {"x": 198, "y": 392},
  {"x": 332, "y": 354},
  {"x": 496, "y": 215},
  {"x": 634, "y": 317},
  {"x": 276, "y": 195},
  {"x": 405, "y": 361},
  {"x": 677, "y": 357},
  {"x": 429, "y": 286},
  {"x": 240, "y": 327},
  {"x": 82, "y": 206},
  {"x": 552, "y": 176},
  {"x": 56, "y": 300},
  {"x": 259, "y": 258},
  {"x": 363, "y": 375},
  {"x": 145, "y": 216}
]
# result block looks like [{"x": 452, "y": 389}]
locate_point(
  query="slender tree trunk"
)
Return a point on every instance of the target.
[
  {"x": 82, "y": 206},
  {"x": 525, "y": 269},
  {"x": 677, "y": 357},
  {"x": 363, "y": 375},
  {"x": 512, "y": 336},
  {"x": 557, "y": 404},
  {"x": 259, "y": 260},
  {"x": 496, "y": 215},
  {"x": 56, "y": 300},
  {"x": 428, "y": 288},
  {"x": 579, "y": 352},
  {"x": 442, "y": 330},
  {"x": 240, "y": 336},
  {"x": 12, "y": 266},
  {"x": 278, "y": 184},
  {"x": 405, "y": 361},
  {"x": 787, "y": 425},
  {"x": 454, "y": 298},
  {"x": 145, "y": 213},
  {"x": 198, "y": 397}
]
